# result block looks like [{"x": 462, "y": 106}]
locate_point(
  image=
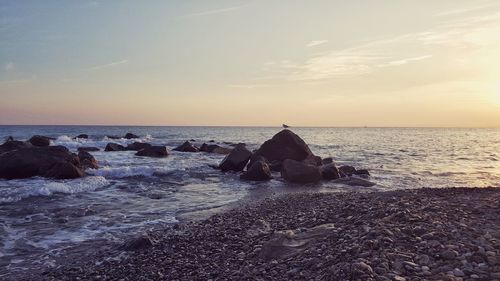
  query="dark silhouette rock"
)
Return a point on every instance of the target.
[
  {"x": 153, "y": 151},
  {"x": 88, "y": 148},
  {"x": 254, "y": 158},
  {"x": 39, "y": 140},
  {"x": 327, "y": 160},
  {"x": 362, "y": 172},
  {"x": 276, "y": 166},
  {"x": 114, "y": 137},
  {"x": 114, "y": 147},
  {"x": 284, "y": 145},
  {"x": 187, "y": 147},
  {"x": 82, "y": 136},
  {"x": 139, "y": 243},
  {"x": 9, "y": 138},
  {"x": 313, "y": 160},
  {"x": 137, "y": 146},
  {"x": 259, "y": 171},
  {"x": 214, "y": 148},
  {"x": 13, "y": 145},
  {"x": 131, "y": 136},
  {"x": 222, "y": 150},
  {"x": 87, "y": 160},
  {"x": 211, "y": 141},
  {"x": 330, "y": 172},
  {"x": 346, "y": 171},
  {"x": 52, "y": 161},
  {"x": 236, "y": 160},
  {"x": 298, "y": 172}
]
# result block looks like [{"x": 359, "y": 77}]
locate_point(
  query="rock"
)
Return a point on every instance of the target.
[
  {"x": 276, "y": 166},
  {"x": 313, "y": 160},
  {"x": 449, "y": 254},
  {"x": 88, "y": 148},
  {"x": 131, "y": 136},
  {"x": 87, "y": 160},
  {"x": 354, "y": 181},
  {"x": 39, "y": 140},
  {"x": 13, "y": 145},
  {"x": 362, "y": 172},
  {"x": 140, "y": 243},
  {"x": 346, "y": 171},
  {"x": 254, "y": 158},
  {"x": 327, "y": 160},
  {"x": 114, "y": 137},
  {"x": 222, "y": 150},
  {"x": 114, "y": 147},
  {"x": 187, "y": 147},
  {"x": 82, "y": 136},
  {"x": 361, "y": 270},
  {"x": 137, "y": 146},
  {"x": 9, "y": 138},
  {"x": 284, "y": 145},
  {"x": 259, "y": 171},
  {"x": 298, "y": 172},
  {"x": 330, "y": 172},
  {"x": 153, "y": 151},
  {"x": 52, "y": 162},
  {"x": 214, "y": 148},
  {"x": 236, "y": 160},
  {"x": 259, "y": 228}
]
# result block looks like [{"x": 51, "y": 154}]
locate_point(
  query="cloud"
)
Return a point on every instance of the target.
[
  {"x": 250, "y": 86},
  {"x": 316, "y": 43},
  {"x": 109, "y": 65},
  {"x": 213, "y": 12},
  {"x": 407, "y": 60},
  {"x": 461, "y": 11}
]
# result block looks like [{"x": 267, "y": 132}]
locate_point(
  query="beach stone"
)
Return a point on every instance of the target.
[
  {"x": 361, "y": 270},
  {"x": 449, "y": 254},
  {"x": 87, "y": 160},
  {"x": 362, "y": 172},
  {"x": 39, "y": 140},
  {"x": 131, "y": 136},
  {"x": 186, "y": 147},
  {"x": 82, "y": 136},
  {"x": 88, "y": 148},
  {"x": 236, "y": 160},
  {"x": 259, "y": 228},
  {"x": 330, "y": 172},
  {"x": 354, "y": 181},
  {"x": 284, "y": 145},
  {"x": 137, "y": 146},
  {"x": 298, "y": 172},
  {"x": 52, "y": 162},
  {"x": 139, "y": 243},
  {"x": 259, "y": 171},
  {"x": 114, "y": 147},
  {"x": 347, "y": 171},
  {"x": 153, "y": 151}
]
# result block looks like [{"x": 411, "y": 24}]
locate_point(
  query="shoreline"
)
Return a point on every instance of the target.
[{"x": 433, "y": 234}]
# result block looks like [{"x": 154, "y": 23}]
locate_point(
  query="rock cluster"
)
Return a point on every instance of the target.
[{"x": 425, "y": 234}]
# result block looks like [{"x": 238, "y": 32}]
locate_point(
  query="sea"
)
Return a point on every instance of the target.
[{"x": 40, "y": 219}]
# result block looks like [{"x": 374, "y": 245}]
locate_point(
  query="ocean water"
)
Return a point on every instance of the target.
[{"x": 39, "y": 218}]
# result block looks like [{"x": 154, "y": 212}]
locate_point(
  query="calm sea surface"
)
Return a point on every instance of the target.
[{"x": 129, "y": 194}]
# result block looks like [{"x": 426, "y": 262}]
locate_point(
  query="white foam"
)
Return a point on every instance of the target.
[
  {"x": 126, "y": 171},
  {"x": 75, "y": 143},
  {"x": 19, "y": 189}
]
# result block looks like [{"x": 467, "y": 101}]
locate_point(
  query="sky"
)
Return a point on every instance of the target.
[{"x": 397, "y": 63}]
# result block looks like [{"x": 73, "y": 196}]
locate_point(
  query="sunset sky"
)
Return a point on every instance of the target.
[{"x": 304, "y": 63}]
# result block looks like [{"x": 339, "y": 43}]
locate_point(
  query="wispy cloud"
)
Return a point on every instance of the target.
[
  {"x": 213, "y": 12},
  {"x": 250, "y": 86},
  {"x": 466, "y": 10},
  {"x": 316, "y": 43},
  {"x": 406, "y": 60},
  {"x": 109, "y": 65}
]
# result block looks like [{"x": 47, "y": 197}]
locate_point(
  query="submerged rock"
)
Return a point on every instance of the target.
[
  {"x": 39, "y": 140},
  {"x": 137, "y": 146},
  {"x": 186, "y": 147},
  {"x": 88, "y": 148},
  {"x": 153, "y": 151},
  {"x": 355, "y": 181},
  {"x": 87, "y": 160},
  {"x": 327, "y": 160},
  {"x": 114, "y": 147},
  {"x": 52, "y": 162},
  {"x": 284, "y": 145},
  {"x": 82, "y": 136},
  {"x": 9, "y": 138},
  {"x": 298, "y": 172},
  {"x": 259, "y": 171},
  {"x": 346, "y": 171},
  {"x": 131, "y": 136},
  {"x": 236, "y": 160}
]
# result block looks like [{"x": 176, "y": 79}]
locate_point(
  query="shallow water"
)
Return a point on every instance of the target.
[{"x": 129, "y": 194}]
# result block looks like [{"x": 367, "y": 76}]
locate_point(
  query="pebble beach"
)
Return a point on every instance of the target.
[{"x": 420, "y": 234}]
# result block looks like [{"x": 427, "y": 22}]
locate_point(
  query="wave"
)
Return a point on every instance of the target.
[
  {"x": 20, "y": 189},
  {"x": 128, "y": 171},
  {"x": 75, "y": 143}
]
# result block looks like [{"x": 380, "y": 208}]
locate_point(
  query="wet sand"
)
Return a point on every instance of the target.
[{"x": 423, "y": 234}]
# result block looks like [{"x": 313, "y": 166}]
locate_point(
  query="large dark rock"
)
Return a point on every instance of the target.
[
  {"x": 187, "y": 147},
  {"x": 214, "y": 148},
  {"x": 236, "y": 160},
  {"x": 284, "y": 145},
  {"x": 153, "y": 151},
  {"x": 39, "y": 140},
  {"x": 114, "y": 137},
  {"x": 87, "y": 160},
  {"x": 13, "y": 145},
  {"x": 9, "y": 138},
  {"x": 330, "y": 172},
  {"x": 114, "y": 147},
  {"x": 88, "y": 148},
  {"x": 137, "y": 146},
  {"x": 346, "y": 171},
  {"x": 327, "y": 160},
  {"x": 259, "y": 171},
  {"x": 131, "y": 136},
  {"x": 313, "y": 160},
  {"x": 298, "y": 172},
  {"x": 53, "y": 162},
  {"x": 82, "y": 136},
  {"x": 254, "y": 158}
]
